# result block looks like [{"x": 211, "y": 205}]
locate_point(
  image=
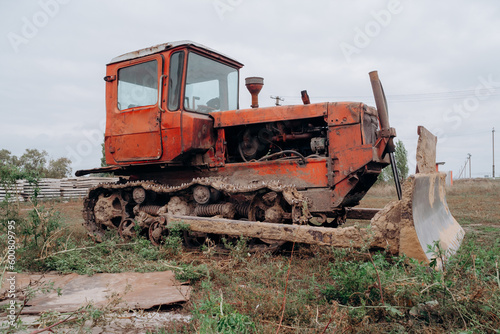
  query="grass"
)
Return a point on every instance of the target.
[{"x": 309, "y": 289}]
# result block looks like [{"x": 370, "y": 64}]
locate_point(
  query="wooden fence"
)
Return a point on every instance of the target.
[{"x": 55, "y": 188}]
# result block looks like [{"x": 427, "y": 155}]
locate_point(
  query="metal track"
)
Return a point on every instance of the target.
[{"x": 147, "y": 211}]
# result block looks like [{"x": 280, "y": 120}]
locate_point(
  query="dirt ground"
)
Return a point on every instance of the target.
[{"x": 473, "y": 203}]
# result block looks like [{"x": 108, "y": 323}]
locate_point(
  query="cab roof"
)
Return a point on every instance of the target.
[{"x": 166, "y": 46}]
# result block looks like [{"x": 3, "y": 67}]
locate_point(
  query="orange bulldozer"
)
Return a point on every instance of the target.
[{"x": 185, "y": 152}]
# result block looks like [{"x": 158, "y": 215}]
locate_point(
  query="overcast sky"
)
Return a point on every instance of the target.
[{"x": 438, "y": 62}]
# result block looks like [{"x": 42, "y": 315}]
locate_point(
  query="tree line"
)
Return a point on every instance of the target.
[
  {"x": 401, "y": 157},
  {"x": 32, "y": 164}
]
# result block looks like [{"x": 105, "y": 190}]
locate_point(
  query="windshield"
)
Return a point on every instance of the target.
[{"x": 210, "y": 85}]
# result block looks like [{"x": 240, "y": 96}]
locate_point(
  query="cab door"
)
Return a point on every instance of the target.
[{"x": 134, "y": 107}]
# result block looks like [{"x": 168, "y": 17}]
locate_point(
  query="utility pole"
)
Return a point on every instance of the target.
[
  {"x": 470, "y": 167},
  {"x": 278, "y": 99},
  {"x": 493, "y": 146},
  {"x": 463, "y": 170}
]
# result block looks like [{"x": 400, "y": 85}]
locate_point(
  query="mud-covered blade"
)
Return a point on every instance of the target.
[{"x": 432, "y": 218}]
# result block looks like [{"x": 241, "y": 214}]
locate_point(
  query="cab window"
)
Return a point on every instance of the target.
[
  {"x": 175, "y": 80},
  {"x": 138, "y": 85}
]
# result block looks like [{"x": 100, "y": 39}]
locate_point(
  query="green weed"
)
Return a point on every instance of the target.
[
  {"x": 238, "y": 247},
  {"x": 172, "y": 243},
  {"x": 191, "y": 273},
  {"x": 212, "y": 315}
]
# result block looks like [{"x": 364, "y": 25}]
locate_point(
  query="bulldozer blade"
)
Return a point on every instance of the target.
[
  {"x": 432, "y": 218},
  {"x": 422, "y": 218},
  {"x": 422, "y": 215}
]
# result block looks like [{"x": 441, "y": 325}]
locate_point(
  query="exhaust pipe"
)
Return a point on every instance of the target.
[
  {"x": 254, "y": 85},
  {"x": 380, "y": 102},
  {"x": 385, "y": 130}
]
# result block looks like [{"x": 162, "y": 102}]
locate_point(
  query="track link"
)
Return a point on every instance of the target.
[{"x": 115, "y": 206}]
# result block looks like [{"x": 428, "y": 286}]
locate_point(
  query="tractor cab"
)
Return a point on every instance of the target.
[{"x": 158, "y": 100}]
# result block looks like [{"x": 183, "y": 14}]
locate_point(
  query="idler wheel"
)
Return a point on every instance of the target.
[
  {"x": 157, "y": 231},
  {"x": 127, "y": 229}
]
